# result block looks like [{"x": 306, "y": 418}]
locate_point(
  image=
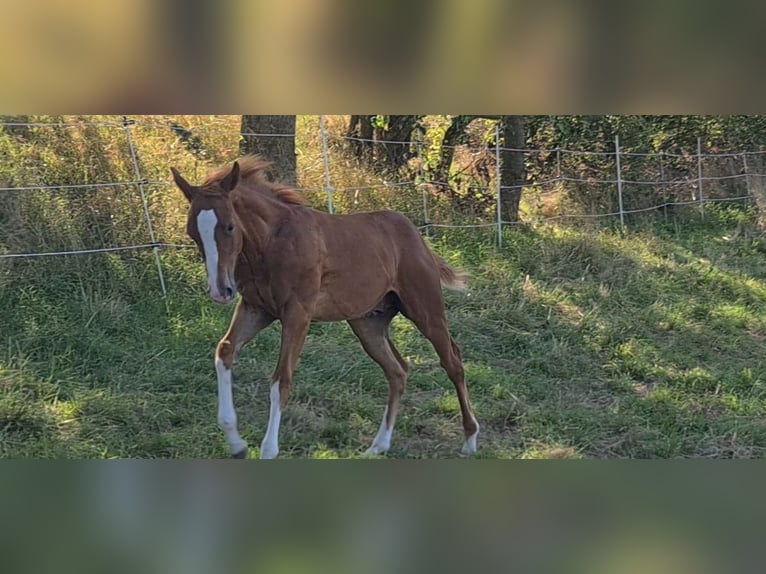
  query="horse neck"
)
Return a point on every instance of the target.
[{"x": 258, "y": 216}]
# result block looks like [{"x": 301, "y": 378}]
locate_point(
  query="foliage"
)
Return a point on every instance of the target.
[
  {"x": 676, "y": 137},
  {"x": 649, "y": 133}
]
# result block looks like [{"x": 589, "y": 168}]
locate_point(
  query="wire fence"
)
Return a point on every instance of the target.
[{"x": 612, "y": 184}]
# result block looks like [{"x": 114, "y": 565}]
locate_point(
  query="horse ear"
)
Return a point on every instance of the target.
[
  {"x": 230, "y": 181},
  {"x": 182, "y": 184}
]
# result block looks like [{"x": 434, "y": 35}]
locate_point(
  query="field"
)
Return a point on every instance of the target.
[{"x": 579, "y": 342}]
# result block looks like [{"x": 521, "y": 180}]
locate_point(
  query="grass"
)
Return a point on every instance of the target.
[{"x": 578, "y": 343}]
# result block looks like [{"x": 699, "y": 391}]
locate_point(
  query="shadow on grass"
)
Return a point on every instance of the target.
[
  {"x": 82, "y": 338},
  {"x": 618, "y": 347}
]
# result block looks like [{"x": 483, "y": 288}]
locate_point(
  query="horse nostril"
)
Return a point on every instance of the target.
[{"x": 229, "y": 292}]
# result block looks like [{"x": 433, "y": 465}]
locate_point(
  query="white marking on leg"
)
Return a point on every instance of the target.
[
  {"x": 206, "y": 222},
  {"x": 270, "y": 444},
  {"x": 470, "y": 445},
  {"x": 227, "y": 417},
  {"x": 382, "y": 441}
]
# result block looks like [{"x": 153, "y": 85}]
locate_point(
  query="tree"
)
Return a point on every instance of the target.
[
  {"x": 279, "y": 148},
  {"x": 360, "y": 137},
  {"x": 512, "y": 173},
  {"x": 374, "y": 140},
  {"x": 393, "y": 155},
  {"x": 453, "y": 136}
]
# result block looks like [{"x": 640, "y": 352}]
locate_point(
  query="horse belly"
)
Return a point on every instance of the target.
[{"x": 336, "y": 303}]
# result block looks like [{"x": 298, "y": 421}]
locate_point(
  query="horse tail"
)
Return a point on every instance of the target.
[{"x": 452, "y": 278}]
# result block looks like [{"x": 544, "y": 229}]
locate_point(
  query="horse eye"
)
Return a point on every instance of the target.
[{"x": 230, "y": 228}]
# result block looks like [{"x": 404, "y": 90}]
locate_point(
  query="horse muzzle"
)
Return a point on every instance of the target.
[
  {"x": 224, "y": 298},
  {"x": 223, "y": 293}
]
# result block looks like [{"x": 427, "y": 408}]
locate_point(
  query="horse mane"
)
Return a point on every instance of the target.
[{"x": 252, "y": 175}]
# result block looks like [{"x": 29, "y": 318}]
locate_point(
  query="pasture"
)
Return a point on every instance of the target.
[{"x": 578, "y": 341}]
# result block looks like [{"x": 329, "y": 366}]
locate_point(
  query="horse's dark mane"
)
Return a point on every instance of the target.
[{"x": 252, "y": 175}]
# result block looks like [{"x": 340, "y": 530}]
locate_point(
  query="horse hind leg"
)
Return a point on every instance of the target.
[
  {"x": 451, "y": 360},
  {"x": 457, "y": 376},
  {"x": 426, "y": 310},
  {"x": 373, "y": 334}
]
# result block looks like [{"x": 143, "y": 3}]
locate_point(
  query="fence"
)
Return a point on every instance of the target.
[{"x": 613, "y": 183}]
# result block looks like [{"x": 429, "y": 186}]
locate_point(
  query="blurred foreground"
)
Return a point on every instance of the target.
[{"x": 673, "y": 518}]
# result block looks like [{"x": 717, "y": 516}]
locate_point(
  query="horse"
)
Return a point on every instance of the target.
[{"x": 292, "y": 263}]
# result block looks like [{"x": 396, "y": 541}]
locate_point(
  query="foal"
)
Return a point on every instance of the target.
[{"x": 292, "y": 263}]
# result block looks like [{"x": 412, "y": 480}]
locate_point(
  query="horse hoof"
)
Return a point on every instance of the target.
[
  {"x": 240, "y": 454},
  {"x": 469, "y": 447}
]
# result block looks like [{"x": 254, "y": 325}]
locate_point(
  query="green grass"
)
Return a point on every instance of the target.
[{"x": 578, "y": 343}]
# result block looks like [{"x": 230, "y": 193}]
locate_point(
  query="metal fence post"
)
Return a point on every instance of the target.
[
  {"x": 325, "y": 156},
  {"x": 499, "y": 187},
  {"x": 699, "y": 178},
  {"x": 421, "y": 181},
  {"x": 664, "y": 187},
  {"x": 619, "y": 181},
  {"x": 126, "y": 123}
]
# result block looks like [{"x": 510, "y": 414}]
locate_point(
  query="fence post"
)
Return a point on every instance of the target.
[
  {"x": 325, "y": 156},
  {"x": 664, "y": 187},
  {"x": 499, "y": 188},
  {"x": 619, "y": 181},
  {"x": 699, "y": 178},
  {"x": 126, "y": 123},
  {"x": 747, "y": 176},
  {"x": 421, "y": 181}
]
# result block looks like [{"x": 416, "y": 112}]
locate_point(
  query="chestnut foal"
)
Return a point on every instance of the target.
[{"x": 295, "y": 264}]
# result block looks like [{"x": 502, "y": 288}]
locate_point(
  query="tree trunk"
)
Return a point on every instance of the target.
[
  {"x": 756, "y": 187},
  {"x": 360, "y": 129},
  {"x": 393, "y": 156},
  {"x": 512, "y": 173},
  {"x": 452, "y": 137},
  {"x": 280, "y": 150}
]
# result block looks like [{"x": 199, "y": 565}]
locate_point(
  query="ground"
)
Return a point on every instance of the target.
[{"x": 578, "y": 343}]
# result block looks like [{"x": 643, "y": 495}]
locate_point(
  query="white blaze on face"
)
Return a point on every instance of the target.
[{"x": 206, "y": 222}]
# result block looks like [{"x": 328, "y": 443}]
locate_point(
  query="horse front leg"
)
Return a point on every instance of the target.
[
  {"x": 245, "y": 324},
  {"x": 295, "y": 326}
]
